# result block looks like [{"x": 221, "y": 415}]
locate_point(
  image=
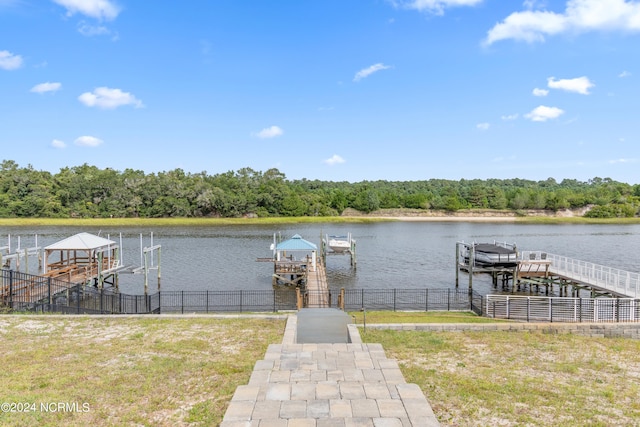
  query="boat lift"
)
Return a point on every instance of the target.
[
  {"x": 6, "y": 257},
  {"x": 147, "y": 262},
  {"x": 339, "y": 245}
]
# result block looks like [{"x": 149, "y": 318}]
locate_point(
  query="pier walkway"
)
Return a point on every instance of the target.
[
  {"x": 579, "y": 273},
  {"x": 326, "y": 385},
  {"x": 317, "y": 288}
]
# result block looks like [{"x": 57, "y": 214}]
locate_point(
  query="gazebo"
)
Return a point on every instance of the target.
[
  {"x": 82, "y": 257},
  {"x": 298, "y": 245}
]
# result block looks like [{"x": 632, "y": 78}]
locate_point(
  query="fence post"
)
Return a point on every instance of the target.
[
  {"x": 274, "y": 301},
  {"x": 49, "y": 290},
  {"x": 101, "y": 299},
  {"x": 159, "y": 303},
  {"x": 551, "y": 310},
  {"x": 362, "y": 297},
  {"x": 342, "y": 296},
  {"x": 426, "y": 299},
  {"x": 11, "y": 289},
  {"x": 580, "y": 309},
  {"x": 207, "y": 301},
  {"x": 394, "y": 299},
  {"x": 528, "y": 309},
  {"x": 78, "y": 299},
  {"x": 298, "y": 299},
  {"x": 182, "y": 302},
  {"x": 448, "y": 299},
  {"x": 242, "y": 301}
]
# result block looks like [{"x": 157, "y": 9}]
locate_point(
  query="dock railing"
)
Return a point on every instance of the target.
[{"x": 610, "y": 279}]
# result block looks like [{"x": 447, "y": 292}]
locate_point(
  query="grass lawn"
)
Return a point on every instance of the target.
[
  {"x": 419, "y": 317},
  {"x": 127, "y": 371},
  {"x": 520, "y": 378}
]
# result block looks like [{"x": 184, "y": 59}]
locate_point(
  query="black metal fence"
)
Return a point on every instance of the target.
[
  {"x": 563, "y": 309},
  {"x": 412, "y": 299},
  {"x": 25, "y": 292},
  {"x": 227, "y": 301}
]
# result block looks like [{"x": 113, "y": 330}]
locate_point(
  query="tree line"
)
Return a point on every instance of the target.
[{"x": 88, "y": 192}]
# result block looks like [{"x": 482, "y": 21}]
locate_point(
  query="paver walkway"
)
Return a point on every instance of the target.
[{"x": 327, "y": 385}]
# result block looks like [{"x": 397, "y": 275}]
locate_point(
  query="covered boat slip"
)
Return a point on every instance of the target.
[
  {"x": 296, "y": 264},
  {"x": 84, "y": 259}
]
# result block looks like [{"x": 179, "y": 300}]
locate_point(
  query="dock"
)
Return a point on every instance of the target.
[
  {"x": 296, "y": 264},
  {"x": 316, "y": 291},
  {"x": 542, "y": 272}
]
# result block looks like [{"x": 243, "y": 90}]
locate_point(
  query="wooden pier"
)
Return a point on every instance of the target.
[
  {"x": 316, "y": 291},
  {"x": 83, "y": 259},
  {"x": 296, "y": 264}
]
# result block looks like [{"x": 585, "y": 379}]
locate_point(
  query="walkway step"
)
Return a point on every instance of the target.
[{"x": 326, "y": 385}]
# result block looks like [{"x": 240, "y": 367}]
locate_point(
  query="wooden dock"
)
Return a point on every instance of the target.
[{"x": 317, "y": 289}]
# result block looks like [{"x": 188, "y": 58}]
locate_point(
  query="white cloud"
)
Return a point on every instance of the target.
[
  {"x": 544, "y": 113},
  {"x": 623, "y": 161},
  {"x": 436, "y": 7},
  {"x": 9, "y": 61},
  {"x": 540, "y": 92},
  {"x": 624, "y": 74},
  {"x": 510, "y": 116},
  {"x": 334, "y": 160},
  {"x": 46, "y": 87},
  {"x": 270, "y": 132},
  {"x": 98, "y": 9},
  {"x": 88, "y": 141},
  {"x": 483, "y": 126},
  {"x": 104, "y": 97},
  {"x": 56, "y": 143},
  {"x": 366, "y": 72},
  {"x": 579, "y": 85},
  {"x": 579, "y": 16},
  {"x": 92, "y": 30}
]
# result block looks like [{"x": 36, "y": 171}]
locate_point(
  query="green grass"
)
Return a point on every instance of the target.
[
  {"x": 419, "y": 317},
  {"x": 520, "y": 378},
  {"x": 129, "y": 371},
  {"x": 205, "y": 222},
  {"x": 175, "y": 222}
]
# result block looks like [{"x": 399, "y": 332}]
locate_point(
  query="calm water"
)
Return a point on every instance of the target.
[{"x": 394, "y": 254}]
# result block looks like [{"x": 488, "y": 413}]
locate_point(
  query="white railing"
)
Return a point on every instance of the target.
[
  {"x": 607, "y": 278},
  {"x": 562, "y": 309}
]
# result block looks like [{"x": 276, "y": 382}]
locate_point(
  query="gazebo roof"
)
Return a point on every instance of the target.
[
  {"x": 296, "y": 243},
  {"x": 81, "y": 241}
]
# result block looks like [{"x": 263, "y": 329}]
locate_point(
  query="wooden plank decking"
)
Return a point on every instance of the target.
[{"x": 317, "y": 287}]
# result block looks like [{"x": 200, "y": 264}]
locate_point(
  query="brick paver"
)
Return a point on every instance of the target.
[{"x": 326, "y": 385}]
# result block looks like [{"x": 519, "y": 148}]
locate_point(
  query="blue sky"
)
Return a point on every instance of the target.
[{"x": 332, "y": 90}]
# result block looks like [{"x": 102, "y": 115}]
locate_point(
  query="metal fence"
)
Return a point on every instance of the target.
[
  {"x": 412, "y": 299},
  {"x": 25, "y": 292},
  {"x": 227, "y": 301},
  {"x": 562, "y": 309}
]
